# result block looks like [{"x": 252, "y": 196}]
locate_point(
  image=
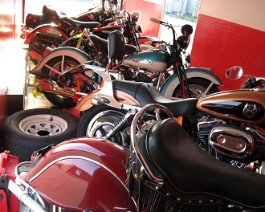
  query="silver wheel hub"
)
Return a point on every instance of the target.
[{"x": 43, "y": 125}]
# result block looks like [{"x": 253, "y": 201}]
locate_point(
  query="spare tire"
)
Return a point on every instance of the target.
[{"x": 29, "y": 130}]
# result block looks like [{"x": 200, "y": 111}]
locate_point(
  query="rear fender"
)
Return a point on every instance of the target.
[
  {"x": 121, "y": 98},
  {"x": 86, "y": 102},
  {"x": 173, "y": 81},
  {"x": 69, "y": 51},
  {"x": 47, "y": 28}
]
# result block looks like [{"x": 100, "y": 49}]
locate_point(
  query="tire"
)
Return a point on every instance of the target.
[
  {"x": 197, "y": 87},
  {"x": 29, "y": 130},
  {"x": 69, "y": 80},
  {"x": 59, "y": 100},
  {"x": 99, "y": 120}
]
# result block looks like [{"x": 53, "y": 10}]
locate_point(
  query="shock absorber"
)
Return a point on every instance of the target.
[{"x": 128, "y": 117}]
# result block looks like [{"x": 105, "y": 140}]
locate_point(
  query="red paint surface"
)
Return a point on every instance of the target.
[
  {"x": 220, "y": 44},
  {"x": 8, "y": 163},
  {"x": 148, "y": 10},
  {"x": 78, "y": 167}
]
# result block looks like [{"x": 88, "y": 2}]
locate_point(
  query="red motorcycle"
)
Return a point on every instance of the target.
[
  {"x": 50, "y": 15},
  {"x": 52, "y": 36},
  {"x": 163, "y": 170}
]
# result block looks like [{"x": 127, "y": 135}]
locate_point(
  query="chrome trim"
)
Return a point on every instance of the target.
[
  {"x": 24, "y": 197},
  {"x": 107, "y": 90},
  {"x": 240, "y": 144},
  {"x": 134, "y": 138}
]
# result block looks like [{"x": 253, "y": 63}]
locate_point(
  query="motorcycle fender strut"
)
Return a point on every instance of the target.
[
  {"x": 173, "y": 81},
  {"x": 63, "y": 51}
]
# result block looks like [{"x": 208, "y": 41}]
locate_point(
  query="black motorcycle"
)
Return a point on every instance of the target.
[{"x": 162, "y": 170}]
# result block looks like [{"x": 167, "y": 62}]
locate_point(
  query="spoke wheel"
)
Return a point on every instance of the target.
[
  {"x": 69, "y": 82},
  {"x": 197, "y": 88}
]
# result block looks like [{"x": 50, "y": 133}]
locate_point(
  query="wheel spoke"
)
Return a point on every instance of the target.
[
  {"x": 54, "y": 129},
  {"x": 102, "y": 130},
  {"x": 52, "y": 69},
  {"x": 32, "y": 130},
  {"x": 62, "y": 65}
]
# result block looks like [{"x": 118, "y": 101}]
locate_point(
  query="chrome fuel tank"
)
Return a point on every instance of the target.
[{"x": 152, "y": 61}]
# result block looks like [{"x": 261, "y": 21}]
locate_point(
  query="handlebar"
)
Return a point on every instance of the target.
[
  {"x": 157, "y": 21},
  {"x": 254, "y": 82}
]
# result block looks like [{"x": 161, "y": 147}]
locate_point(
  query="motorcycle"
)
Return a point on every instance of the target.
[
  {"x": 61, "y": 66},
  {"x": 64, "y": 75},
  {"x": 229, "y": 125},
  {"x": 163, "y": 170},
  {"x": 50, "y": 15},
  {"x": 154, "y": 66},
  {"x": 52, "y": 36}
]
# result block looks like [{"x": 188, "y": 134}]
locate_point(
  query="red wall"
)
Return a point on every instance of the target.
[
  {"x": 225, "y": 36},
  {"x": 148, "y": 9}
]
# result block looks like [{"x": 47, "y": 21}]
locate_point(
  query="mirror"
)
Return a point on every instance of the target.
[
  {"x": 183, "y": 41},
  {"x": 186, "y": 29},
  {"x": 234, "y": 73},
  {"x": 135, "y": 15}
]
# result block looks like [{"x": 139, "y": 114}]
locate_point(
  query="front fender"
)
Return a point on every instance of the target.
[
  {"x": 81, "y": 174},
  {"x": 47, "y": 28},
  {"x": 69, "y": 51},
  {"x": 173, "y": 81}
]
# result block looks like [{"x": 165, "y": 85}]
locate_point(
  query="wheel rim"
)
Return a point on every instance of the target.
[
  {"x": 66, "y": 80},
  {"x": 105, "y": 121},
  {"x": 43, "y": 125},
  {"x": 196, "y": 91}
]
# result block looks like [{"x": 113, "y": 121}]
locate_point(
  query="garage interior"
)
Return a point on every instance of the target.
[{"x": 225, "y": 34}]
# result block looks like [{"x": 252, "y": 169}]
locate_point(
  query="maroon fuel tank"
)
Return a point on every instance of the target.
[
  {"x": 83, "y": 174},
  {"x": 245, "y": 105}
]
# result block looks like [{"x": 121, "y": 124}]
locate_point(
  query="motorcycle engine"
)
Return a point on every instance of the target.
[
  {"x": 225, "y": 142},
  {"x": 136, "y": 75}
]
